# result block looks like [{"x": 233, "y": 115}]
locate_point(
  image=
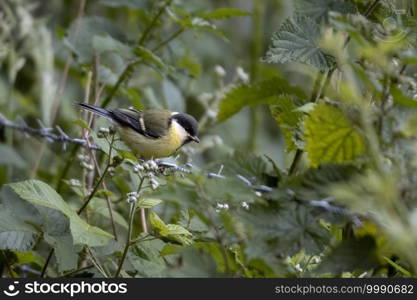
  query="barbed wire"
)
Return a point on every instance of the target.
[
  {"x": 50, "y": 134},
  {"x": 61, "y": 137}
]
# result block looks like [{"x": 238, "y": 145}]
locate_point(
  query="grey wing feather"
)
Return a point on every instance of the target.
[{"x": 147, "y": 124}]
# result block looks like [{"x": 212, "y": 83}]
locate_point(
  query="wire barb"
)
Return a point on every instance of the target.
[{"x": 46, "y": 133}]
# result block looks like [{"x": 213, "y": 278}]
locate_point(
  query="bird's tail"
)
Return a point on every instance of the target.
[{"x": 95, "y": 109}]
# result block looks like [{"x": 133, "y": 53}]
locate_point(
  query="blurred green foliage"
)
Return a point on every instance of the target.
[{"x": 307, "y": 162}]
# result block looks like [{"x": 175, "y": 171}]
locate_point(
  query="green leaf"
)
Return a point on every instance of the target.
[
  {"x": 132, "y": 4},
  {"x": 64, "y": 251},
  {"x": 171, "y": 231},
  {"x": 319, "y": 10},
  {"x": 146, "y": 259},
  {"x": 190, "y": 63},
  {"x": 263, "y": 92},
  {"x": 39, "y": 193},
  {"x": 9, "y": 157},
  {"x": 350, "y": 255},
  {"x": 173, "y": 97},
  {"x": 298, "y": 41},
  {"x": 15, "y": 234},
  {"x": 246, "y": 164},
  {"x": 107, "y": 43},
  {"x": 85, "y": 30},
  {"x": 148, "y": 202},
  {"x": 148, "y": 56},
  {"x": 330, "y": 137},
  {"x": 288, "y": 118},
  {"x": 401, "y": 99},
  {"x": 224, "y": 13},
  {"x": 283, "y": 230}
]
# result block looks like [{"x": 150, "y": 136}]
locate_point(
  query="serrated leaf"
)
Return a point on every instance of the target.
[
  {"x": 156, "y": 222},
  {"x": 319, "y": 10},
  {"x": 283, "y": 230},
  {"x": 171, "y": 231},
  {"x": 39, "y": 193},
  {"x": 288, "y": 118},
  {"x": 298, "y": 41},
  {"x": 246, "y": 164},
  {"x": 330, "y": 137},
  {"x": 263, "y": 92},
  {"x": 224, "y": 13},
  {"x": 14, "y": 233}
]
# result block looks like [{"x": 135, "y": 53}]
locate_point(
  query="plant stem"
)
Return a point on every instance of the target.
[
  {"x": 131, "y": 66},
  {"x": 45, "y": 266},
  {"x": 77, "y": 270},
  {"x": 128, "y": 239},
  {"x": 96, "y": 263},
  {"x": 129, "y": 230},
  {"x": 168, "y": 40},
  {"x": 80, "y": 210},
  {"x": 153, "y": 22},
  {"x": 319, "y": 82}
]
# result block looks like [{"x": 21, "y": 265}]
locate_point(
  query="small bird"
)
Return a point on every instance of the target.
[{"x": 151, "y": 133}]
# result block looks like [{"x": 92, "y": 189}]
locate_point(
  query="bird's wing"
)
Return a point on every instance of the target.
[{"x": 143, "y": 122}]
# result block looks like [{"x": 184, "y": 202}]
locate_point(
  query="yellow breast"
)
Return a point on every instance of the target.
[{"x": 147, "y": 148}]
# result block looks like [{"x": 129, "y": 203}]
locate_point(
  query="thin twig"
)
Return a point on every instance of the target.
[
  {"x": 128, "y": 239},
  {"x": 96, "y": 263},
  {"x": 77, "y": 270},
  {"x": 153, "y": 22},
  {"x": 95, "y": 189},
  {"x": 129, "y": 230},
  {"x": 48, "y": 259}
]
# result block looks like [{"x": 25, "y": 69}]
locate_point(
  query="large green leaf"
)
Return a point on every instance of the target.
[
  {"x": 283, "y": 230},
  {"x": 350, "y": 255},
  {"x": 288, "y": 118},
  {"x": 39, "y": 193},
  {"x": 14, "y": 233},
  {"x": 330, "y": 137},
  {"x": 298, "y": 40},
  {"x": 263, "y": 92}
]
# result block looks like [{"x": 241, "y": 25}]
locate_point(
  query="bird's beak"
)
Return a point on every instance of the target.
[{"x": 194, "y": 138}]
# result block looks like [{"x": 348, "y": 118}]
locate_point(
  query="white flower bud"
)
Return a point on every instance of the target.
[
  {"x": 242, "y": 75},
  {"x": 74, "y": 182},
  {"x": 245, "y": 205},
  {"x": 153, "y": 165},
  {"x": 220, "y": 71},
  {"x": 138, "y": 168}
]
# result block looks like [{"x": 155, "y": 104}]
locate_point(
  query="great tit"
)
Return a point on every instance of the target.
[{"x": 151, "y": 133}]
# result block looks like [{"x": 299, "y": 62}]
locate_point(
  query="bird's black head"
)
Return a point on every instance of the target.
[{"x": 189, "y": 124}]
